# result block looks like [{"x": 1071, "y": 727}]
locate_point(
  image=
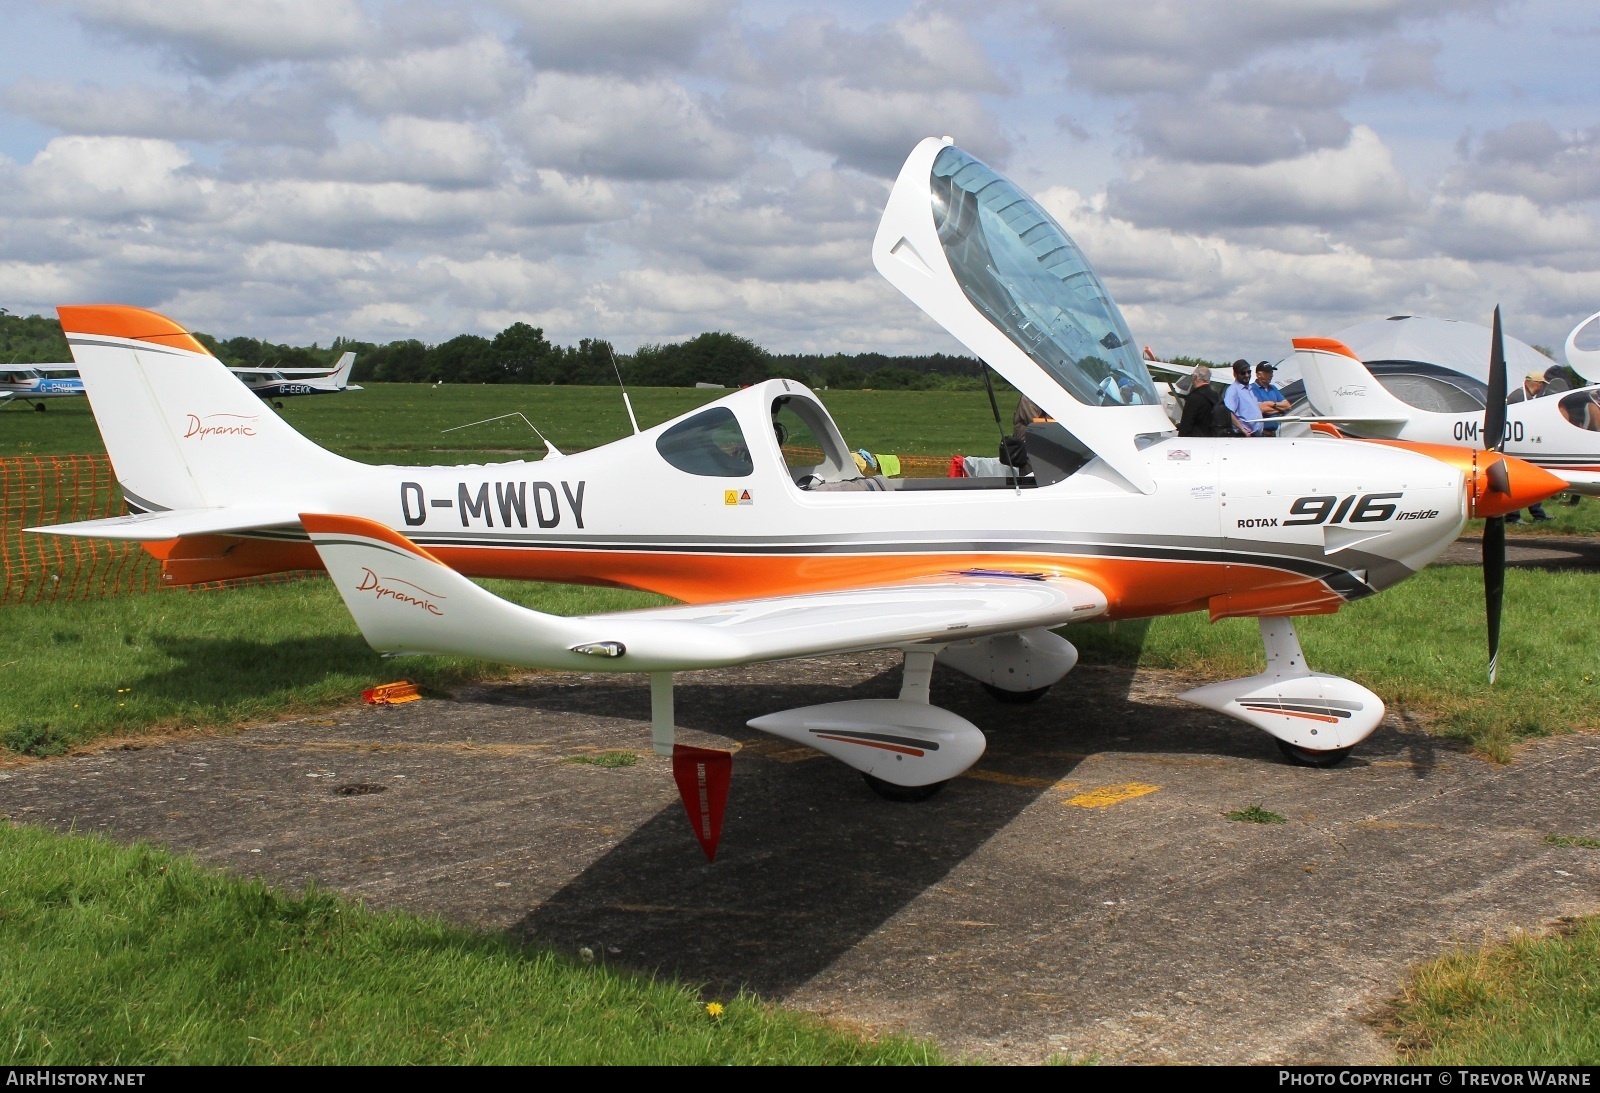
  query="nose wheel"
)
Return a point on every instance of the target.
[
  {"x": 1015, "y": 698},
  {"x": 1308, "y": 757}
]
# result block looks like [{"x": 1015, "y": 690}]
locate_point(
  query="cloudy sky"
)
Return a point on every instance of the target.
[{"x": 1239, "y": 171}]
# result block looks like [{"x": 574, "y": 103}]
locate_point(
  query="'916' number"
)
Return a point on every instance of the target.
[{"x": 1368, "y": 508}]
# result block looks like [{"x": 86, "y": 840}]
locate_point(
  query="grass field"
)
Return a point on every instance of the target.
[
  {"x": 130, "y": 956},
  {"x": 89, "y": 669},
  {"x": 403, "y": 422},
  {"x": 86, "y": 670},
  {"x": 1526, "y": 1001}
]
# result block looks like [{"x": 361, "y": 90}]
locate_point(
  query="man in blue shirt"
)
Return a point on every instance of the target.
[
  {"x": 1241, "y": 404},
  {"x": 1267, "y": 395}
]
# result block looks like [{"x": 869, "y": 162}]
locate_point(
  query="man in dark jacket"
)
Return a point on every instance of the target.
[{"x": 1200, "y": 407}]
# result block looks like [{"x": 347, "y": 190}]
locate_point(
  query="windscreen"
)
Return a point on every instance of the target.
[{"x": 1029, "y": 279}]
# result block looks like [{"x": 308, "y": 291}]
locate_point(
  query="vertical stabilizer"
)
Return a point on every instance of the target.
[
  {"x": 181, "y": 430},
  {"x": 1341, "y": 387},
  {"x": 339, "y": 378}
]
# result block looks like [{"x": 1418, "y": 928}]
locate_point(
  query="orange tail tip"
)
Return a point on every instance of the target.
[
  {"x": 391, "y": 694},
  {"x": 121, "y": 321},
  {"x": 1327, "y": 345}
]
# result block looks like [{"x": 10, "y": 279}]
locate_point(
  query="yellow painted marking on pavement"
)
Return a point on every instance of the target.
[{"x": 1106, "y": 796}]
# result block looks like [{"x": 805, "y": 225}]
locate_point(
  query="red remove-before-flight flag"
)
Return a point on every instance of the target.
[{"x": 703, "y": 775}]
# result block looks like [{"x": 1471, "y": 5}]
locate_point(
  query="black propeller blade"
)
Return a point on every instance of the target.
[{"x": 1494, "y": 528}]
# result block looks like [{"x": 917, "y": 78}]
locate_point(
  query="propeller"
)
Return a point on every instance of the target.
[{"x": 1494, "y": 528}]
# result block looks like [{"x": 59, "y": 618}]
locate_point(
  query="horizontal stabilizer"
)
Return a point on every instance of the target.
[
  {"x": 406, "y": 601},
  {"x": 175, "y": 523}
]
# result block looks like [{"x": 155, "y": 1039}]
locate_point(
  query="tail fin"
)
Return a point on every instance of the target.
[
  {"x": 339, "y": 378},
  {"x": 181, "y": 430},
  {"x": 1341, "y": 387}
]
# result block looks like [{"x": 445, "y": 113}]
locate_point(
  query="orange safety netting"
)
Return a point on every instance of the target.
[{"x": 58, "y": 489}]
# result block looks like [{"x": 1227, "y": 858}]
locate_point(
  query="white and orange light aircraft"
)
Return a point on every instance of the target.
[
  {"x": 1429, "y": 403},
  {"x": 1121, "y": 519}
]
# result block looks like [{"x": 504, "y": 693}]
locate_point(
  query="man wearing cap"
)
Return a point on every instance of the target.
[
  {"x": 1267, "y": 395},
  {"x": 1533, "y": 386},
  {"x": 1243, "y": 408}
]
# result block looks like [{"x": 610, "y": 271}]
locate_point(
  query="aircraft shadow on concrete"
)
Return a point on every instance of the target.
[{"x": 811, "y": 861}]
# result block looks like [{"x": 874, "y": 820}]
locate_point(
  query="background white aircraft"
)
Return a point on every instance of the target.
[
  {"x": 1421, "y": 386},
  {"x": 273, "y": 384},
  {"x": 1121, "y": 519},
  {"x": 28, "y": 383}
]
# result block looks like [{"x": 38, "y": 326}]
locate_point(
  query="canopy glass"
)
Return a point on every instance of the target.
[{"x": 1029, "y": 279}]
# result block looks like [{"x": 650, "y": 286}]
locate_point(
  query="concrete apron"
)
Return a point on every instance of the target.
[{"x": 1078, "y": 892}]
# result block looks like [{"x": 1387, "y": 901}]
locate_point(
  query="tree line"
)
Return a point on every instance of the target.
[{"x": 522, "y": 354}]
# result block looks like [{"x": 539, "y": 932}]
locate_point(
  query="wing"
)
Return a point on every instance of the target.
[
  {"x": 406, "y": 601},
  {"x": 53, "y": 367}
]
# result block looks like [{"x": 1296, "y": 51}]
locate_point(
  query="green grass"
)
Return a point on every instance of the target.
[
  {"x": 87, "y": 669},
  {"x": 606, "y": 759},
  {"x": 1523, "y": 1002},
  {"x": 131, "y": 956},
  {"x": 403, "y": 422},
  {"x": 1580, "y": 519},
  {"x": 84, "y": 670},
  {"x": 1582, "y": 841},
  {"x": 1421, "y": 647},
  {"x": 1255, "y": 814}
]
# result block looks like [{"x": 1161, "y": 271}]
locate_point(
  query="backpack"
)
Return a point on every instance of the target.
[{"x": 1222, "y": 420}]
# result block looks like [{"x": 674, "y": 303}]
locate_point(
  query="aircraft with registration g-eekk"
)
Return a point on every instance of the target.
[{"x": 1119, "y": 519}]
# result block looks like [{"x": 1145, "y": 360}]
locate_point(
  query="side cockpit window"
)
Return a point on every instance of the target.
[{"x": 709, "y": 444}]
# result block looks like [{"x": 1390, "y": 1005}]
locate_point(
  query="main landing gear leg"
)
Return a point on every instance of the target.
[
  {"x": 916, "y": 676},
  {"x": 663, "y": 724}
]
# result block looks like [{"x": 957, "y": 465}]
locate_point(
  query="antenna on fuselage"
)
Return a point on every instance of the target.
[
  {"x": 550, "y": 450},
  {"x": 625, "y": 400},
  {"x": 1015, "y": 472}
]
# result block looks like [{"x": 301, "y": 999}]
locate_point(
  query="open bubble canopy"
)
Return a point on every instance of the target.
[{"x": 1021, "y": 270}]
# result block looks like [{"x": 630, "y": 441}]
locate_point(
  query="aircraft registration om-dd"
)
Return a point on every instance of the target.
[{"x": 1120, "y": 518}]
